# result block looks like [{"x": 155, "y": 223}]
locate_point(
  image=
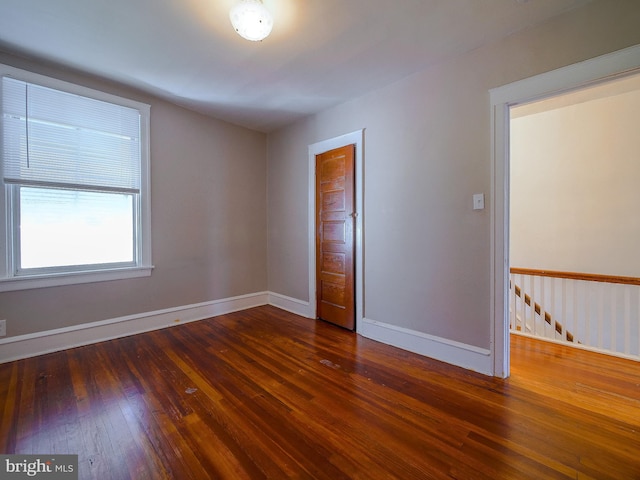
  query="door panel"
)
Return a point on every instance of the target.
[{"x": 335, "y": 236}]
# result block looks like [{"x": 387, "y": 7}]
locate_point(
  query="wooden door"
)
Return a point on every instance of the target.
[{"x": 335, "y": 219}]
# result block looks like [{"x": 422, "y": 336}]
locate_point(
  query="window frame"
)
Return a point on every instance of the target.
[{"x": 9, "y": 280}]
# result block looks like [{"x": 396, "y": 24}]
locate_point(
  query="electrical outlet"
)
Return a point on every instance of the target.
[{"x": 3, "y": 328}]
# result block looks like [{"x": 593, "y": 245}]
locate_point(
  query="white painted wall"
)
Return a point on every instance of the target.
[{"x": 575, "y": 171}]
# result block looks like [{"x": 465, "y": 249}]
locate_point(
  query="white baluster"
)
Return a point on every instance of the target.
[
  {"x": 532, "y": 309},
  {"x": 613, "y": 298},
  {"x": 587, "y": 316},
  {"x": 627, "y": 319},
  {"x": 512, "y": 303},
  {"x": 553, "y": 310},
  {"x": 574, "y": 298},
  {"x": 523, "y": 306},
  {"x": 600, "y": 315},
  {"x": 563, "y": 309}
]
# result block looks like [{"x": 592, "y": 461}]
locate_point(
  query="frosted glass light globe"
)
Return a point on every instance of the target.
[{"x": 251, "y": 20}]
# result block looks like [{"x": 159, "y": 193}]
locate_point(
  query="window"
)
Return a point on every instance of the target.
[{"x": 75, "y": 174}]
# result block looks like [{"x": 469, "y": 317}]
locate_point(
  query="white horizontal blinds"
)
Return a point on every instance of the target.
[{"x": 56, "y": 138}]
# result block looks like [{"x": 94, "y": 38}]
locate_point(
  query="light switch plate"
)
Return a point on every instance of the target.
[
  {"x": 3, "y": 328},
  {"x": 478, "y": 201}
]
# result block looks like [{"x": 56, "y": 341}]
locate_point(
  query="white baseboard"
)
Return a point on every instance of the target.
[
  {"x": 448, "y": 351},
  {"x": 293, "y": 305},
  {"x": 30, "y": 345}
]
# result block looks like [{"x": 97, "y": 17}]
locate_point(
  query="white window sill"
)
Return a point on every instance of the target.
[{"x": 54, "y": 280}]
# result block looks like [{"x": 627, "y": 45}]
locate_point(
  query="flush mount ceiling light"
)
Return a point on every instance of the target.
[{"x": 251, "y": 20}]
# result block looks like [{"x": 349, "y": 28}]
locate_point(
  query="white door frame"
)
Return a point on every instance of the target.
[
  {"x": 606, "y": 67},
  {"x": 354, "y": 138}
]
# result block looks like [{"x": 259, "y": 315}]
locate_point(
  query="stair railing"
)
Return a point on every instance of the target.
[
  {"x": 596, "y": 312},
  {"x": 537, "y": 308}
]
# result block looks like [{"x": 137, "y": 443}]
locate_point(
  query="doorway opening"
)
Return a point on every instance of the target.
[
  {"x": 568, "y": 79},
  {"x": 573, "y": 236}
]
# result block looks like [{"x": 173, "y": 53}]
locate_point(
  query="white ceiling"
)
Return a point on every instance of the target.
[{"x": 320, "y": 53}]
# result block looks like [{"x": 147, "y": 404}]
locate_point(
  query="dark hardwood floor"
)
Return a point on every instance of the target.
[{"x": 266, "y": 394}]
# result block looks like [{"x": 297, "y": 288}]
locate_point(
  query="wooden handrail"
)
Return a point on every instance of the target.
[{"x": 589, "y": 277}]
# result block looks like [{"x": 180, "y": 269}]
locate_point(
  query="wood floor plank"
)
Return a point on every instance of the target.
[
  {"x": 263, "y": 394},
  {"x": 9, "y": 400}
]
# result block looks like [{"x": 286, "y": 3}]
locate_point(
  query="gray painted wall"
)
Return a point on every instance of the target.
[
  {"x": 209, "y": 222},
  {"x": 427, "y": 151}
]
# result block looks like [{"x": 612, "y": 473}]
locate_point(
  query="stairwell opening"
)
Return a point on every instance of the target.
[{"x": 573, "y": 227}]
